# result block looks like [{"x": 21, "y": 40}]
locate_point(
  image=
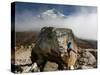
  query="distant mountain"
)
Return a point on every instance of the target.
[{"x": 51, "y": 14}]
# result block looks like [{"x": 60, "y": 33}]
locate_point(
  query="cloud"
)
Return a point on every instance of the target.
[{"x": 83, "y": 23}]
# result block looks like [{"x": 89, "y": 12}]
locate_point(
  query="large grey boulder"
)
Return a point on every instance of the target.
[
  {"x": 90, "y": 57},
  {"x": 86, "y": 60}
]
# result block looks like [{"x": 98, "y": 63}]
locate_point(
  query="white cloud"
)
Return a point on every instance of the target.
[{"x": 83, "y": 24}]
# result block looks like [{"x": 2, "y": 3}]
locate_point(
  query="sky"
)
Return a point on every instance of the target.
[{"x": 81, "y": 19}]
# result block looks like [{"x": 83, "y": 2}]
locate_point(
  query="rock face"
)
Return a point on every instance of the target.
[{"x": 64, "y": 36}]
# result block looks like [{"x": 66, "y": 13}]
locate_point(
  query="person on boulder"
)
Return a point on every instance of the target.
[{"x": 69, "y": 47}]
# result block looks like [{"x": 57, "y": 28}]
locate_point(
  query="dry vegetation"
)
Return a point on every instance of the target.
[{"x": 25, "y": 38}]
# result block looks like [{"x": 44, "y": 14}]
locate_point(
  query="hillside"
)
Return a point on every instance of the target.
[
  {"x": 84, "y": 43},
  {"x": 26, "y": 38}
]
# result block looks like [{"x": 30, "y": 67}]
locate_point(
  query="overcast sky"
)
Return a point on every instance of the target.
[{"x": 81, "y": 19}]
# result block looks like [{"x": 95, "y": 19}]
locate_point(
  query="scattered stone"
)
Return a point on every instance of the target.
[{"x": 50, "y": 66}]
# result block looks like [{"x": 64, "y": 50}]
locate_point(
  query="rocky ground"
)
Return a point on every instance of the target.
[{"x": 87, "y": 59}]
